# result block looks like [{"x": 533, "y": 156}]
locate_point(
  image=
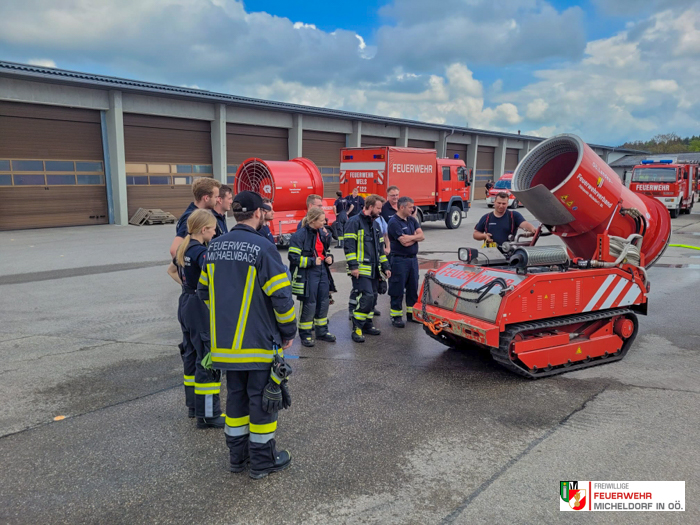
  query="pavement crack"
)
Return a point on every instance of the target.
[
  {"x": 663, "y": 388},
  {"x": 486, "y": 484},
  {"x": 81, "y": 349}
]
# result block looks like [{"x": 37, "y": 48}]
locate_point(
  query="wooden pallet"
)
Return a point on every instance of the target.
[{"x": 154, "y": 216}]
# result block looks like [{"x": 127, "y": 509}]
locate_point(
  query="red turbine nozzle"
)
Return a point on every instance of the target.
[{"x": 565, "y": 184}]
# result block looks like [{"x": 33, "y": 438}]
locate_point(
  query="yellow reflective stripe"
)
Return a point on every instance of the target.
[
  {"x": 351, "y": 236},
  {"x": 321, "y": 322},
  {"x": 242, "y": 359},
  {"x": 306, "y": 326},
  {"x": 212, "y": 305},
  {"x": 351, "y": 256},
  {"x": 394, "y": 313},
  {"x": 277, "y": 282},
  {"x": 285, "y": 317},
  {"x": 361, "y": 245},
  {"x": 203, "y": 278},
  {"x": 237, "y": 421},
  {"x": 245, "y": 306},
  {"x": 382, "y": 258},
  {"x": 295, "y": 250},
  {"x": 263, "y": 429},
  {"x": 188, "y": 380},
  {"x": 241, "y": 351},
  {"x": 409, "y": 309},
  {"x": 381, "y": 239},
  {"x": 359, "y": 315}
]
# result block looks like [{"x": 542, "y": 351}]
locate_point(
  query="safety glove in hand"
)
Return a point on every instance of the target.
[
  {"x": 286, "y": 396},
  {"x": 272, "y": 397}
]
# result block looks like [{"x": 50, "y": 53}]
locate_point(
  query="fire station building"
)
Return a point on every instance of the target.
[{"x": 90, "y": 149}]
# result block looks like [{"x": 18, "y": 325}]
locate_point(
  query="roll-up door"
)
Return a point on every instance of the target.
[
  {"x": 484, "y": 170},
  {"x": 163, "y": 156},
  {"x": 424, "y": 144},
  {"x": 51, "y": 167},
  {"x": 324, "y": 149},
  {"x": 369, "y": 140},
  {"x": 457, "y": 149},
  {"x": 244, "y": 142},
  {"x": 511, "y": 159}
]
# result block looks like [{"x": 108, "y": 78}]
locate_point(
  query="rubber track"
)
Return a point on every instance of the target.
[{"x": 502, "y": 354}]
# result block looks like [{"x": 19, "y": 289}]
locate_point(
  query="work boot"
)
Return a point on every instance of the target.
[
  {"x": 397, "y": 322},
  {"x": 239, "y": 467},
  {"x": 328, "y": 337},
  {"x": 410, "y": 319},
  {"x": 211, "y": 422},
  {"x": 307, "y": 341},
  {"x": 372, "y": 330},
  {"x": 190, "y": 412},
  {"x": 283, "y": 459},
  {"x": 357, "y": 336},
  {"x": 377, "y": 313}
]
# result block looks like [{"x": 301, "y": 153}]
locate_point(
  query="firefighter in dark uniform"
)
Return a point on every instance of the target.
[
  {"x": 252, "y": 322},
  {"x": 404, "y": 234},
  {"x": 222, "y": 207},
  {"x": 341, "y": 207},
  {"x": 309, "y": 262},
  {"x": 366, "y": 261},
  {"x": 202, "y": 386}
]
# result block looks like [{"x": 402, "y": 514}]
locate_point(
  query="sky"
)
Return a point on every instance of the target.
[{"x": 608, "y": 70}]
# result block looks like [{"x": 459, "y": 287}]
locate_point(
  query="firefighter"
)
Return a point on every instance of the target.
[
  {"x": 366, "y": 261},
  {"x": 341, "y": 207},
  {"x": 496, "y": 227},
  {"x": 222, "y": 207},
  {"x": 357, "y": 203},
  {"x": 309, "y": 262},
  {"x": 206, "y": 192},
  {"x": 404, "y": 234},
  {"x": 252, "y": 322},
  {"x": 202, "y": 386},
  {"x": 269, "y": 217}
]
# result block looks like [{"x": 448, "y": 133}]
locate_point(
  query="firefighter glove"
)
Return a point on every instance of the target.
[
  {"x": 272, "y": 397},
  {"x": 286, "y": 396},
  {"x": 206, "y": 362}
]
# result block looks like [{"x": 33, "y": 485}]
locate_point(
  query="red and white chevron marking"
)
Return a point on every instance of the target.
[{"x": 615, "y": 292}]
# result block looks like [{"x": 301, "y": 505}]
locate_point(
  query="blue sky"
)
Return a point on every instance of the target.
[{"x": 609, "y": 70}]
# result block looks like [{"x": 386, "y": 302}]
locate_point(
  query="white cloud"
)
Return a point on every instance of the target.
[
  {"x": 419, "y": 65},
  {"x": 43, "y": 62}
]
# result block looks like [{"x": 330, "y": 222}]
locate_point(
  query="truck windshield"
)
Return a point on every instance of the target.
[
  {"x": 654, "y": 175},
  {"x": 502, "y": 184}
]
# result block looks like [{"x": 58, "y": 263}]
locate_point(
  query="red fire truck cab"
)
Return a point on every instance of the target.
[
  {"x": 672, "y": 184},
  {"x": 439, "y": 187},
  {"x": 503, "y": 185}
]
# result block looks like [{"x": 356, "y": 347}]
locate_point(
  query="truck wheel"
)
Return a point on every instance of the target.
[
  {"x": 676, "y": 212},
  {"x": 453, "y": 218},
  {"x": 515, "y": 204},
  {"x": 419, "y": 216}
]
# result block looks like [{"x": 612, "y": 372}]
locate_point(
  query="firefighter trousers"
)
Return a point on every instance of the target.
[
  {"x": 404, "y": 278},
  {"x": 314, "y": 308},
  {"x": 365, "y": 290},
  {"x": 201, "y": 385},
  {"x": 250, "y": 431}
]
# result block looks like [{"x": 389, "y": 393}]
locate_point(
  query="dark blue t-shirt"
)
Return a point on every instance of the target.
[
  {"x": 398, "y": 227},
  {"x": 500, "y": 228},
  {"x": 341, "y": 205},
  {"x": 195, "y": 257},
  {"x": 358, "y": 202},
  {"x": 265, "y": 232},
  {"x": 221, "y": 226},
  {"x": 181, "y": 226}
]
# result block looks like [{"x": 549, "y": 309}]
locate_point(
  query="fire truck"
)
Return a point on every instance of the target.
[
  {"x": 439, "y": 187},
  {"x": 672, "y": 184}
]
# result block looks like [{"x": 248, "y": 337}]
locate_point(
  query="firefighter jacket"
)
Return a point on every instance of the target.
[
  {"x": 302, "y": 257},
  {"x": 251, "y": 309},
  {"x": 364, "y": 246}
]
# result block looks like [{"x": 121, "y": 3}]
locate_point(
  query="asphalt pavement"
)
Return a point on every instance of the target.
[{"x": 93, "y": 427}]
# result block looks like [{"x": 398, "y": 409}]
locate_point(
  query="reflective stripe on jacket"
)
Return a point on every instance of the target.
[
  {"x": 251, "y": 309},
  {"x": 364, "y": 246}
]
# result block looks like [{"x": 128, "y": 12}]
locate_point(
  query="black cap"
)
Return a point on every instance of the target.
[{"x": 250, "y": 201}]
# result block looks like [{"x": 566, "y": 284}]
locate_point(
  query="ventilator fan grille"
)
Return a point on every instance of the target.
[
  {"x": 255, "y": 176},
  {"x": 539, "y": 157}
]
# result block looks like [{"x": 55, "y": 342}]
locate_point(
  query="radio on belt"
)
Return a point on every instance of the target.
[{"x": 544, "y": 310}]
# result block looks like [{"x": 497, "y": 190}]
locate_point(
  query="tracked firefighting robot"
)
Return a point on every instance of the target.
[{"x": 543, "y": 310}]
